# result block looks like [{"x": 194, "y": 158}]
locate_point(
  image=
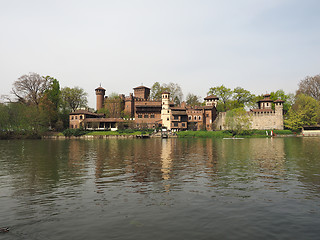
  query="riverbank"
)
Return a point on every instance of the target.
[{"x": 229, "y": 134}]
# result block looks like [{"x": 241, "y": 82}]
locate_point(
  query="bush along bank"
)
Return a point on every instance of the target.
[{"x": 229, "y": 134}]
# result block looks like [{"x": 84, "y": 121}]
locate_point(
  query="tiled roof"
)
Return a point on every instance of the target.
[{"x": 211, "y": 97}]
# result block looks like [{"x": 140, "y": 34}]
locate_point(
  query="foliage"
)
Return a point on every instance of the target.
[
  {"x": 287, "y": 98},
  {"x": 174, "y": 89},
  {"x": 74, "y": 132},
  {"x": 223, "y": 93},
  {"x": 73, "y": 98},
  {"x": 310, "y": 86},
  {"x": 113, "y": 106},
  {"x": 305, "y": 111},
  {"x": 238, "y": 120},
  {"x": 193, "y": 100}
]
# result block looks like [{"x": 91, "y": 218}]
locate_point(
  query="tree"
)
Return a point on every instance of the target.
[
  {"x": 193, "y": 100},
  {"x": 224, "y": 94},
  {"x": 29, "y": 88},
  {"x": 174, "y": 89},
  {"x": 113, "y": 106},
  {"x": 287, "y": 98},
  {"x": 304, "y": 112},
  {"x": 73, "y": 98},
  {"x": 238, "y": 120},
  {"x": 242, "y": 97},
  {"x": 310, "y": 86}
]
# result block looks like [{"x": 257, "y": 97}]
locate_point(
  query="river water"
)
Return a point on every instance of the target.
[{"x": 160, "y": 189}]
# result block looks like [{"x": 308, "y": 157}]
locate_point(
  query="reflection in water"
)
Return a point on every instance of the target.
[
  {"x": 166, "y": 161},
  {"x": 193, "y": 188}
]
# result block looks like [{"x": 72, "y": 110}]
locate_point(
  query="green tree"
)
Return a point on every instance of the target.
[
  {"x": 174, "y": 89},
  {"x": 73, "y": 98},
  {"x": 238, "y": 120},
  {"x": 193, "y": 100},
  {"x": 304, "y": 112},
  {"x": 287, "y": 98},
  {"x": 242, "y": 97},
  {"x": 224, "y": 94}
]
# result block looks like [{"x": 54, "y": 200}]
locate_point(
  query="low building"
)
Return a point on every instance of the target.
[{"x": 311, "y": 131}]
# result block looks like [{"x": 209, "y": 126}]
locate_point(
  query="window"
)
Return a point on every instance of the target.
[
  {"x": 139, "y": 116},
  {"x": 71, "y": 126},
  {"x": 207, "y": 115},
  {"x": 195, "y": 117},
  {"x": 167, "y": 119},
  {"x": 175, "y": 124},
  {"x": 190, "y": 117},
  {"x": 176, "y": 117},
  {"x": 199, "y": 117},
  {"x": 152, "y": 116},
  {"x": 146, "y": 116},
  {"x": 168, "y": 111},
  {"x": 81, "y": 117},
  {"x": 71, "y": 118},
  {"x": 183, "y": 124}
]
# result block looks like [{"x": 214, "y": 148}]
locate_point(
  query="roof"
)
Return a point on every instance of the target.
[
  {"x": 100, "y": 88},
  {"x": 179, "y": 113},
  {"x": 165, "y": 92},
  {"x": 265, "y": 100},
  {"x": 211, "y": 97},
  {"x": 279, "y": 101},
  {"x": 141, "y": 87},
  {"x": 262, "y": 110},
  {"x": 86, "y": 112},
  {"x": 178, "y": 108},
  {"x": 103, "y": 120},
  {"x": 149, "y": 106}
]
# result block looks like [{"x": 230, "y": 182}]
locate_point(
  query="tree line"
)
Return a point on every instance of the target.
[{"x": 40, "y": 105}]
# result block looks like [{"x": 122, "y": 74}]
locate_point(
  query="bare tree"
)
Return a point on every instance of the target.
[
  {"x": 29, "y": 88},
  {"x": 310, "y": 86}
]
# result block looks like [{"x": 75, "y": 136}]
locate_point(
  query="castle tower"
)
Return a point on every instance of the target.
[
  {"x": 278, "y": 107},
  {"x": 166, "y": 111},
  {"x": 100, "y": 92},
  {"x": 211, "y": 100},
  {"x": 265, "y": 103},
  {"x": 142, "y": 92}
]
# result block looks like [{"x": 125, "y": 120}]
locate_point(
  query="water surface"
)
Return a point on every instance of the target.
[{"x": 160, "y": 189}]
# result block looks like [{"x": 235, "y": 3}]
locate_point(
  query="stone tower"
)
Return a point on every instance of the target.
[
  {"x": 165, "y": 110},
  {"x": 100, "y": 92},
  {"x": 278, "y": 107}
]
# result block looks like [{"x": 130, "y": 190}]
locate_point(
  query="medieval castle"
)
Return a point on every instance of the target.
[{"x": 138, "y": 110}]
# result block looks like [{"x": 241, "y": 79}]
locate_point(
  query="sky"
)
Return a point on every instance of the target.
[{"x": 259, "y": 45}]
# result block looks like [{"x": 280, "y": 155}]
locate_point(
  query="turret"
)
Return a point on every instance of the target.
[
  {"x": 211, "y": 100},
  {"x": 278, "y": 106},
  {"x": 100, "y": 92},
  {"x": 165, "y": 110},
  {"x": 265, "y": 103}
]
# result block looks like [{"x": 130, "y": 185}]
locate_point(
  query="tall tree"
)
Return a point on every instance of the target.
[
  {"x": 29, "y": 88},
  {"x": 176, "y": 94},
  {"x": 305, "y": 111},
  {"x": 193, "y": 100},
  {"x": 238, "y": 120},
  {"x": 287, "y": 98},
  {"x": 73, "y": 98},
  {"x": 224, "y": 94},
  {"x": 310, "y": 86}
]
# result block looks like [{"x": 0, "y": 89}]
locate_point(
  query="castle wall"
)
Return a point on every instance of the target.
[{"x": 259, "y": 121}]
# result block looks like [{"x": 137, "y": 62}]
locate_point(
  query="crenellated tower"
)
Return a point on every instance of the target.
[{"x": 100, "y": 92}]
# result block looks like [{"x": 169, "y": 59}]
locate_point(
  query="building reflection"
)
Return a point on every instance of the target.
[{"x": 166, "y": 162}]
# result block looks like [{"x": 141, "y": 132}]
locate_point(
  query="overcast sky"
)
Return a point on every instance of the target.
[{"x": 260, "y": 45}]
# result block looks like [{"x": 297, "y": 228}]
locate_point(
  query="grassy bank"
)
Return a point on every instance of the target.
[
  {"x": 228, "y": 134},
  {"x": 79, "y": 132}
]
